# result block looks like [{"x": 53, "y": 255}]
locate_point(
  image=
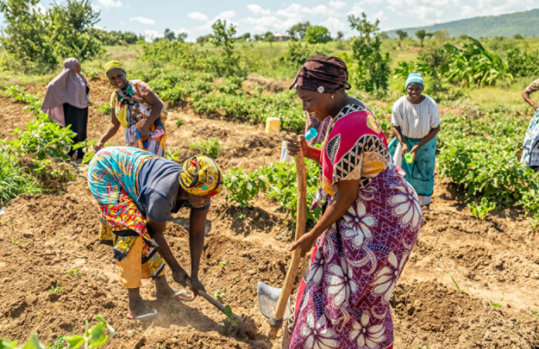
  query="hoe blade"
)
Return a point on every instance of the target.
[{"x": 267, "y": 300}]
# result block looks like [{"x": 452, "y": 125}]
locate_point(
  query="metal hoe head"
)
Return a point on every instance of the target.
[{"x": 267, "y": 300}]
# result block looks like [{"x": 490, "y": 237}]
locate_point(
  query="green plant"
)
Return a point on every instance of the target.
[
  {"x": 230, "y": 321},
  {"x": 94, "y": 337},
  {"x": 456, "y": 284},
  {"x": 481, "y": 211},
  {"x": 14, "y": 241},
  {"x": 370, "y": 68},
  {"x": 105, "y": 108},
  {"x": 55, "y": 289},
  {"x": 496, "y": 304},
  {"x": 223, "y": 263},
  {"x": 75, "y": 272},
  {"x": 179, "y": 122},
  {"x": 219, "y": 295},
  {"x": 211, "y": 147},
  {"x": 535, "y": 314}
]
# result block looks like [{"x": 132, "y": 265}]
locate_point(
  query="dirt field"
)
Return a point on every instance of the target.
[{"x": 42, "y": 237}]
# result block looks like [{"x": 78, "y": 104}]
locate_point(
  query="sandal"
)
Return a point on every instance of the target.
[
  {"x": 132, "y": 316},
  {"x": 184, "y": 295}
]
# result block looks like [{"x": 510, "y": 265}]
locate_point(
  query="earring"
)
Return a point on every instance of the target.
[{"x": 332, "y": 96}]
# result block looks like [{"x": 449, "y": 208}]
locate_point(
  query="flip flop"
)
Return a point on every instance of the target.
[
  {"x": 184, "y": 295},
  {"x": 131, "y": 316}
]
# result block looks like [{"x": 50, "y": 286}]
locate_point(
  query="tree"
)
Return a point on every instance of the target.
[
  {"x": 25, "y": 30},
  {"x": 223, "y": 37},
  {"x": 317, "y": 35},
  {"x": 340, "y": 36},
  {"x": 39, "y": 41},
  {"x": 245, "y": 37},
  {"x": 204, "y": 39},
  {"x": 70, "y": 30},
  {"x": 181, "y": 36},
  {"x": 269, "y": 37},
  {"x": 371, "y": 67},
  {"x": 421, "y": 34},
  {"x": 169, "y": 35},
  {"x": 298, "y": 30},
  {"x": 402, "y": 34}
]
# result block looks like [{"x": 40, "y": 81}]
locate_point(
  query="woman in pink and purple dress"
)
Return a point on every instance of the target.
[{"x": 370, "y": 222}]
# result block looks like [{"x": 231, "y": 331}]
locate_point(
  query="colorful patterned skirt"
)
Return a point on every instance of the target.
[
  {"x": 344, "y": 302},
  {"x": 121, "y": 224}
]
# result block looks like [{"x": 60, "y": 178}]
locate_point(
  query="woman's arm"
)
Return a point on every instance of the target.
[
  {"x": 527, "y": 98},
  {"x": 111, "y": 130},
  {"x": 345, "y": 195},
  {"x": 398, "y": 134},
  {"x": 157, "y": 107},
  {"x": 197, "y": 226},
  {"x": 433, "y": 132}
]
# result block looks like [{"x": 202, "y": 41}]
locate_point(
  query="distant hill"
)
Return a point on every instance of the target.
[{"x": 525, "y": 23}]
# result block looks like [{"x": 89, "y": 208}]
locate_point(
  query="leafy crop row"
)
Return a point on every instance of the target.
[
  {"x": 277, "y": 181},
  {"x": 482, "y": 157},
  {"x": 29, "y": 162}
]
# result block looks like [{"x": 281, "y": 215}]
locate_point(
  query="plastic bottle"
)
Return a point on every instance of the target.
[
  {"x": 409, "y": 158},
  {"x": 308, "y": 136}
]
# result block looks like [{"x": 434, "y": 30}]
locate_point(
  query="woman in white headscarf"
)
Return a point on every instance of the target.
[{"x": 66, "y": 102}]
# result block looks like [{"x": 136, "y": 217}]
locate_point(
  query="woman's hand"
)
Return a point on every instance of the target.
[
  {"x": 414, "y": 151},
  {"x": 404, "y": 149},
  {"x": 294, "y": 147},
  {"x": 196, "y": 286},
  {"x": 305, "y": 243},
  {"x": 99, "y": 145},
  {"x": 144, "y": 133},
  {"x": 180, "y": 276}
]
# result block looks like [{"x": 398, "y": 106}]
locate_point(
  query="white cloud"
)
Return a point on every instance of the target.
[
  {"x": 198, "y": 16},
  {"x": 427, "y": 14},
  {"x": 150, "y": 35},
  {"x": 357, "y": 10},
  {"x": 111, "y": 3},
  {"x": 497, "y": 7},
  {"x": 467, "y": 11},
  {"x": 335, "y": 25},
  {"x": 336, "y": 4},
  {"x": 257, "y": 9},
  {"x": 225, "y": 15},
  {"x": 142, "y": 20}
]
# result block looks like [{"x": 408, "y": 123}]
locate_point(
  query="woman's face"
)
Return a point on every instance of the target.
[
  {"x": 414, "y": 90},
  {"x": 117, "y": 78},
  {"x": 317, "y": 104},
  {"x": 198, "y": 201}
]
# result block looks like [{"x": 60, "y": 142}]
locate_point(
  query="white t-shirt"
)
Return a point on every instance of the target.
[{"x": 415, "y": 120}]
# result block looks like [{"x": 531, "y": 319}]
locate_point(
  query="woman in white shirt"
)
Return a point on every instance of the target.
[{"x": 416, "y": 122}]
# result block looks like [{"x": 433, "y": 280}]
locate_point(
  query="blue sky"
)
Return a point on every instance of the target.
[{"x": 259, "y": 16}]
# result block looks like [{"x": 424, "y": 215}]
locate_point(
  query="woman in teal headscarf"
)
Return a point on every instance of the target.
[{"x": 416, "y": 122}]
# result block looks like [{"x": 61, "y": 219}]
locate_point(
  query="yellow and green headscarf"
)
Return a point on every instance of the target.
[
  {"x": 200, "y": 176},
  {"x": 113, "y": 65}
]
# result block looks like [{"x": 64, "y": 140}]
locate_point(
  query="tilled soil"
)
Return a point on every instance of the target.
[{"x": 42, "y": 237}]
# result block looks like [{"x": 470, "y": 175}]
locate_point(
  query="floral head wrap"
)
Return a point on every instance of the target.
[
  {"x": 200, "y": 176},
  {"x": 113, "y": 65}
]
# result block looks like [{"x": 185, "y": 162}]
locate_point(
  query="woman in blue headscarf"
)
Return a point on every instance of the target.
[{"x": 416, "y": 122}]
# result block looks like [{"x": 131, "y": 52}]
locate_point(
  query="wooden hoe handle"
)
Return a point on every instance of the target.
[{"x": 277, "y": 319}]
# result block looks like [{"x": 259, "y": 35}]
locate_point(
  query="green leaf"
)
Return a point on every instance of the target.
[
  {"x": 7, "y": 344},
  {"x": 74, "y": 341},
  {"x": 98, "y": 337},
  {"x": 33, "y": 343}
]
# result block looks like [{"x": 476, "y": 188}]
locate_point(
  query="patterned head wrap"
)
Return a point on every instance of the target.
[
  {"x": 322, "y": 74},
  {"x": 200, "y": 176},
  {"x": 113, "y": 65},
  {"x": 414, "y": 78}
]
